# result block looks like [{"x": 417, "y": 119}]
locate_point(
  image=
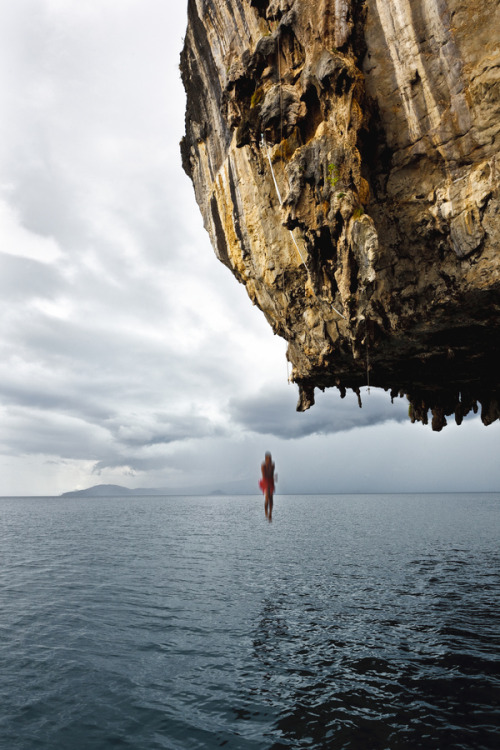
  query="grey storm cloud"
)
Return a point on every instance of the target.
[
  {"x": 273, "y": 413},
  {"x": 38, "y": 432},
  {"x": 25, "y": 278},
  {"x": 113, "y": 440},
  {"x": 164, "y": 429},
  {"x": 45, "y": 395}
]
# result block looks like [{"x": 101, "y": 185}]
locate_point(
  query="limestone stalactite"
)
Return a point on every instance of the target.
[{"x": 344, "y": 158}]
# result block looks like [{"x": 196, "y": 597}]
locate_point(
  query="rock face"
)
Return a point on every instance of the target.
[{"x": 344, "y": 157}]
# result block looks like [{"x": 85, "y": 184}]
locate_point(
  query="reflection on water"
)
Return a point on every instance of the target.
[
  {"x": 351, "y": 681},
  {"x": 399, "y": 653},
  {"x": 350, "y": 622}
]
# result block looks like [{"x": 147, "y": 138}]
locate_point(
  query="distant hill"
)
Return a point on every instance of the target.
[
  {"x": 99, "y": 490},
  {"x": 115, "y": 490}
]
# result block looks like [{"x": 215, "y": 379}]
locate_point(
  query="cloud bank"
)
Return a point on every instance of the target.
[{"x": 272, "y": 412}]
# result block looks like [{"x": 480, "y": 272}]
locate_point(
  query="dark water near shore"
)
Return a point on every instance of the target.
[{"x": 357, "y": 621}]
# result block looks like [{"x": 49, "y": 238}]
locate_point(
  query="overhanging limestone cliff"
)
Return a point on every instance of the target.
[{"x": 344, "y": 158}]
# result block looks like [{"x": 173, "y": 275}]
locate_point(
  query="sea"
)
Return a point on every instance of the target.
[{"x": 367, "y": 622}]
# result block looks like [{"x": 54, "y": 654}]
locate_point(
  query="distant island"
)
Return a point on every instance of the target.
[{"x": 115, "y": 490}]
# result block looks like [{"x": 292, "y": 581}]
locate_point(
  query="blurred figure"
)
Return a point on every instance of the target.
[{"x": 267, "y": 485}]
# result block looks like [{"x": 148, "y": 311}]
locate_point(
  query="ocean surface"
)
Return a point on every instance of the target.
[{"x": 350, "y": 621}]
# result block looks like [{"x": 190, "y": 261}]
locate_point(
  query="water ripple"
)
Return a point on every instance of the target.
[{"x": 367, "y": 622}]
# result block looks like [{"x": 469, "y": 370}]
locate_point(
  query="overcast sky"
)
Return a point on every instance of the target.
[{"x": 128, "y": 353}]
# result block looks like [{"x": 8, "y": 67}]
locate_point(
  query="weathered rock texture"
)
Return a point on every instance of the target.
[{"x": 344, "y": 157}]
